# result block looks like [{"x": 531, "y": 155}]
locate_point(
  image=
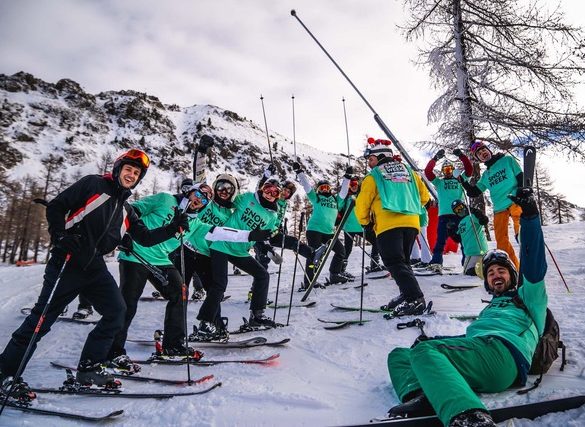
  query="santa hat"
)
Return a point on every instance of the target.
[{"x": 379, "y": 148}]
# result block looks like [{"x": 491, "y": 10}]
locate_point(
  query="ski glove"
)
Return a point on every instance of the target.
[
  {"x": 525, "y": 199},
  {"x": 269, "y": 171},
  {"x": 204, "y": 144},
  {"x": 458, "y": 152},
  {"x": 297, "y": 167},
  {"x": 440, "y": 154},
  {"x": 71, "y": 243},
  {"x": 127, "y": 244},
  {"x": 481, "y": 217},
  {"x": 180, "y": 222},
  {"x": 348, "y": 172},
  {"x": 259, "y": 235}
]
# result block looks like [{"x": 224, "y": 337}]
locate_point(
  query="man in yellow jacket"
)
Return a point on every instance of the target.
[{"x": 393, "y": 196}]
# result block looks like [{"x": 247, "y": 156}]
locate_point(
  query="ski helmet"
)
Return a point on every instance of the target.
[
  {"x": 226, "y": 182},
  {"x": 291, "y": 186},
  {"x": 379, "y": 148},
  {"x": 476, "y": 147},
  {"x": 186, "y": 185},
  {"x": 499, "y": 257},
  {"x": 447, "y": 168},
  {"x": 322, "y": 186},
  {"x": 459, "y": 208},
  {"x": 132, "y": 157}
]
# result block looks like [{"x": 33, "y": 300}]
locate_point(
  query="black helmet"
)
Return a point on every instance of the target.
[
  {"x": 186, "y": 185},
  {"x": 459, "y": 208},
  {"x": 499, "y": 257},
  {"x": 132, "y": 157}
]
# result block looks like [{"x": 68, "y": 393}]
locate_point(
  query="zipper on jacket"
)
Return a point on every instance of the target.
[{"x": 102, "y": 235}]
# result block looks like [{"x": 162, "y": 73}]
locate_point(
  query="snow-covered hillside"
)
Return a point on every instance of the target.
[
  {"x": 39, "y": 119},
  {"x": 322, "y": 378}
]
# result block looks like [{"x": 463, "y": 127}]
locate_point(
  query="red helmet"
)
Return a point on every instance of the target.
[{"x": 132, "y": 157}]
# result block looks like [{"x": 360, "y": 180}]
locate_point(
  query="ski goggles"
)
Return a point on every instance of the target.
[
  {"x": 202, "y": 197},
  {"x": 225, "y": 187},
  {"x": 354, "y": 182},
  {"x": 324, "y": 188},
  {"x": 448, "y": 170},
  {"x": 271, "y": 190},
  {"x": 135, "y": 154},
  {"x": 460, "y": 210},
  {"x": 496, "y": 256}
]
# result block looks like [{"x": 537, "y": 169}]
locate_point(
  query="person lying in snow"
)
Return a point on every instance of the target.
[{"x": 497, "y": 349}]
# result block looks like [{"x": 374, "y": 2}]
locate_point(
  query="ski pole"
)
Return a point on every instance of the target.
[
  {"x": 363, "y": 246},
  {"x": 557, "y": 266},
  {"x": 156, "y": 272},
  {"x": 346, "y": 130},
  {"x": 377, "y": 118},
  {"x": 29, "y": 350},
  {"x": 279, "y": 269},
  {"x": 294, "y": 130},
  {"x": 184, "y": 300},
  {"x": 266, "y": 126},
  {"x": 292, "y": 288},
  {"x": 367, "y": 253}
]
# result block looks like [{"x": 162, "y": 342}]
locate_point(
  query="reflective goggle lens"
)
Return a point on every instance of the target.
[
  {"x": 138, "y": 155},
  {"x": 201, "y": 196},
  {"x": 225, "y": 187},
  {"x": 325, "y": 188},
  {"x": 272, "y": 190}
]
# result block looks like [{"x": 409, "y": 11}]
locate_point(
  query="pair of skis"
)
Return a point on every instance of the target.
[{"x": 247, "y": 343}]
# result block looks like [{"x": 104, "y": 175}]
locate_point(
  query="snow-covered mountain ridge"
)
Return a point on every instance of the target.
[{"x": 40, "y": 119}]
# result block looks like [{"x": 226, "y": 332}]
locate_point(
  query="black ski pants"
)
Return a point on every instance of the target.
[
  {"x": 210, "y": 310},
  {"x": 190, "y": 266},
  {"x": 133, "y": 277},
  {"x": 100, "y": 288},
  {"x": 395, "y": 246},
  {"x": 316, "y": 239},
  {"x": 290, "y": 243}
]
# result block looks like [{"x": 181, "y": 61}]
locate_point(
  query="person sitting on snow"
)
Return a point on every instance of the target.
[{"x": 442, "y": 375}]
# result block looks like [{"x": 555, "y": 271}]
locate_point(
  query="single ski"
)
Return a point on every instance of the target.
[
  {"x": 425, "y": 273},
  {"x": 366, "y": 309},
  {"x": 382, "y": 276},
  {"x": 134, "y": 377},
  {"x": 69, "y": 415},
  {"x": 160, "y": 298},
  {"x": 301, "y": 305},
  {"x": 464, "y": 317},
  {"x": 327, "y": 251},
  {"x": 27, "y": 310},
  {"x": 181, "y": 361},
  {"x": 96, "y": 392},
  {"x": 248, "y": 343},
  {"x": 457, "y": 287},
  {"x": 529, "y": 166},
  {"x": 339, "y": 324},
  {"x": 530, "y": 411}
]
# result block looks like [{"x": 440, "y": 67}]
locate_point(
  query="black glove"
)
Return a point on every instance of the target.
[
  {"x": 525, "y": 199},
  {"x": 179, "y": 222},
  {"x": 127, "y": 244},
  {"x": 458, "y": 152},
  {"x": 419, "y": 339},
  {"x": 440, "y": 154},
  {"x": 70, "y": 243},
  {"x": 269, "y": 171},
  {"x": 204, "y": 144},
  {"x": 348, "y": 172},
  {"x": 297, "y": 167},
  {"x": 259, "y": 235}
]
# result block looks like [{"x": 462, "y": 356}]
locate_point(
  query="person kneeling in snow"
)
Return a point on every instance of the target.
[{"x": 497, "y": 349}]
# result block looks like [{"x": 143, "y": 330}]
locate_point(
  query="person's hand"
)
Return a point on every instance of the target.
[
  {"x": 70, "y": 243},
  {"x": 440, "y": 154},
  {"x": 127, "y": 244},
  {"x": 269, "y": 171},
  {"x": 259, "y": 235},
  {"x": 458, "y": 152},
  {"x": 348, "y": 172},
  {"x": 297, "y": 167},
  {"x": 180, "y": 221},
  {"x": 205, "y": 143},
  {"x": 525, "y": 199}
]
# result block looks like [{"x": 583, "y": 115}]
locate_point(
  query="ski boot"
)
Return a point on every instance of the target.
[
  {"x": 414, "y": 261},
  {"x": 421, "y": 265},
  {"x": 473, "y": 417},
  {"x": 435, "y": 268},
  {"x": 156, "y": 294},
  {"x": 207, "y": 331},
  {"x": 375, "y": 267},
  {"x": 180, "y": 351},
  {"x": 394, "y": 302},
  {"x": 410, "y": 308},
  {"x": 222, "y": 329},
  {"x": 237, "y": 271},
  {"x": 90, "y": 373},
  {"x": 124, "y": 364},
  {"x": 82, "y": 313},
  {"x": 20, "y": 390},
  {"x": 198, "y": 295},
  {"x": 337, "y": 278},
  {"x": 258, "y": 319},
  {"x": 416, "y": 406}
]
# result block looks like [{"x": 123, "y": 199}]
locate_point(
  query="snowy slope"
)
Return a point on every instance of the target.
[{"x": 322, "y": 377}]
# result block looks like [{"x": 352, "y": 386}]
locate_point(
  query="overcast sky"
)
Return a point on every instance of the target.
[{"x": 229, "y": 52}]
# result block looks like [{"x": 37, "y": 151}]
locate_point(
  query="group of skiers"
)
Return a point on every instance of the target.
[{"x": 170, "y": 239}]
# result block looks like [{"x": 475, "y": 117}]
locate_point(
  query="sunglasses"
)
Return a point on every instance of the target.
[
  {"x": 226, "y": 187},
  {"x": 325, "y": 188},
  {"x": 271, "y": 190},
  {"x": 135, "y": 154},
  {"x": 202, "y": 197}
]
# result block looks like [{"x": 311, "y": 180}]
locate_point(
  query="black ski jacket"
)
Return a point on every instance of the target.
[{"x": 95, "y": 207}]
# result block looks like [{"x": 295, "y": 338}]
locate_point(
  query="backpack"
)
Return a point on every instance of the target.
[{"x": 547, "y": 348}]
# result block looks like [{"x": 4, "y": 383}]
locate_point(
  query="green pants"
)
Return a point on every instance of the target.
[{"x": 449, "y": 370}]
